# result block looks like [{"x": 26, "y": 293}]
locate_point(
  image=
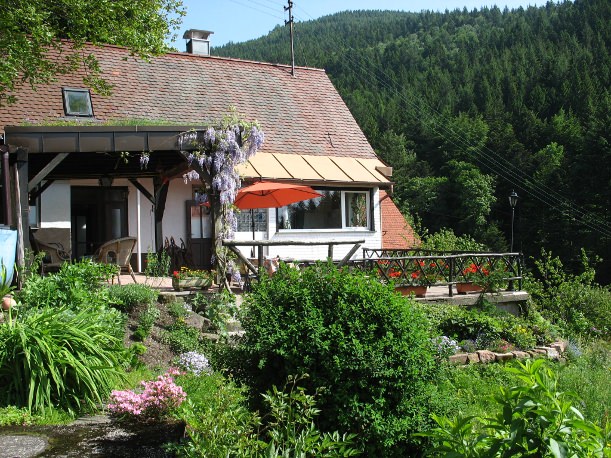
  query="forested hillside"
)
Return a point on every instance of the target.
[{"x": 468, "y": 105}]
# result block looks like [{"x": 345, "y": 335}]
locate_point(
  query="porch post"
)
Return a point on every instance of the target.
[
  {"x": 160, "y": 187},
  {"x": 22, "y": 170},
  {"x": 6, "y": 187}
]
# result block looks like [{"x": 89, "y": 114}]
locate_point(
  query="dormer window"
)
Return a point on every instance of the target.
[{"x": 77, "y": 102}]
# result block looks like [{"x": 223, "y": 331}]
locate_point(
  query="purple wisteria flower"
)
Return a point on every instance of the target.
[
  {"x": 191, "y": 175},
  {"x": 144, "y": 160}
]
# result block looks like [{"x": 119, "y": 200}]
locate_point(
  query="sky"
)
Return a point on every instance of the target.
[{"x": 242, "y": 20}]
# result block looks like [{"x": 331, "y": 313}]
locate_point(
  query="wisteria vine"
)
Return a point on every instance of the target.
[{"x": 220, "y": 151}]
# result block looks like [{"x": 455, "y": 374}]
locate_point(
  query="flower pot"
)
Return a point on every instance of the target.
[
  {"x": 417, "y": 290},
  {"x": 191, "y": 283},
  {"x": 8, "y": 302},
  {"x": 464, "y": 288}
]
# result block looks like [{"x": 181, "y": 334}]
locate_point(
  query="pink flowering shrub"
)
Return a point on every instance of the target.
[{"x": 157, "y": 399}]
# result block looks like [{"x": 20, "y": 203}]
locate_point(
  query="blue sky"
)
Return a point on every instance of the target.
[{"x": 241, "y": 20}]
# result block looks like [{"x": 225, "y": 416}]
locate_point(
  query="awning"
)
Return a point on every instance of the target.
[{"x": 316, "y": 169}]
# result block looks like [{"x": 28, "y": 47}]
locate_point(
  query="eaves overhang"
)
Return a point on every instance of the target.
[{"x": 92, "y": 139}]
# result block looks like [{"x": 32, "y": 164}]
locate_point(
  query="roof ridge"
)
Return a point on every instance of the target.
[{"x": 198, "y": 56}]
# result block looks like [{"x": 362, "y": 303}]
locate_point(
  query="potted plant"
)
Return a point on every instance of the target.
[
  {"x": 5, "y": 289},
  {"x": 478, "y": 278},
  {"x": 416, "y": 279},
  {"x": 191, "y": 278}
]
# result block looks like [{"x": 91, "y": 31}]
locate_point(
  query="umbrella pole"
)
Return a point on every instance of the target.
[{"x": 252, "y": 222}]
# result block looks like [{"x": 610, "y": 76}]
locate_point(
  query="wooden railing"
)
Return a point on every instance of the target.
[
  {"x": 233, "y": 244},
  {"x": 442, "y": 268}
]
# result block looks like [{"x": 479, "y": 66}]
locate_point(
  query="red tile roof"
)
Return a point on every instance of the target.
[
  {"x": 396, "y": 231},
  {"x": 300, "y": 115}
]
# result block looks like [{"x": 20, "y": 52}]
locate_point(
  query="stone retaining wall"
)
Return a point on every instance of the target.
[{"x": 552, "y": 351}]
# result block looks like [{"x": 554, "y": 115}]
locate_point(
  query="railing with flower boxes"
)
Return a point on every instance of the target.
[{"x": 471, "y": 271}]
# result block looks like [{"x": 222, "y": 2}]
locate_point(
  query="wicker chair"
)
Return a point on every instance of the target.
[
  {"x": 119, "y": 252},
  {"x": 55, "y": 254}
]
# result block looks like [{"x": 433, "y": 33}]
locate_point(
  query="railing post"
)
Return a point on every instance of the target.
[
  {"x": 451, "y": 277},
  {"x": 519, "y": 259}
]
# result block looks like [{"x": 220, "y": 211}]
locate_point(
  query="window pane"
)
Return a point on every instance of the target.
[
  {"x": 356, "y": 209},
  {"x": 245, "y": 221},
  {"x": 78, "y": 102},
  {"x": 319, "y": 213}
]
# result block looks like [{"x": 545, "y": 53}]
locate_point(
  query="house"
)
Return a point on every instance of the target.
[{"x": 81, "y": 153}]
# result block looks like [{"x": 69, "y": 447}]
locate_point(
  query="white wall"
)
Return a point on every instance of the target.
[{"x": 55, "y": 205}]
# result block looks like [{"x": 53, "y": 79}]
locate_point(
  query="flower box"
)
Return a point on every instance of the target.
[
  {"x": 191, "y": 283},
  {"x": 464, "y": 288},
  {"x": 417, "y": 290}
]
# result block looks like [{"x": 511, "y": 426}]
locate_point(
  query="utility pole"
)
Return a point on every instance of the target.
[{"x": 290, "y": 21}]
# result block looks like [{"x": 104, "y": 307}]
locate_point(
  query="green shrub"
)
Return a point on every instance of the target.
[
  {"x": 157, "y": 264},
  {"x": 573, "y": 302},
  {"x": 12, "y": 415},
  {"x": 219, "y": 424},
  {"x": 290, "y": 429},
  {"x": 587, "y": 373},
  {"x": 219, "y": 308},
  {"x": 446, "y": 240},
  {"x": 368, "y": 347},
  {"x": 218, "y": 421},
  {"x": 182, "y": 338},
  {"x": 146, "y": 320},
  {"x": 58, "y": 357},
  {"x": 76, "y": 285},
  {"x": 482, "y": 328},
  {"x": 178, "y": 309},
  {"x": 127, "y": 297},
  {"x": 532, "y": 419}
]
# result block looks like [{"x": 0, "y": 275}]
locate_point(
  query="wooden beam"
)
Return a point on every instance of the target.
[
  {"x": 37, "y": 192},
  {"x": 242, "y": 258},
  {"x": 346, "y": 258},
  {"x": 46, "y": 170},
  {"x": 142, "y": 189}
]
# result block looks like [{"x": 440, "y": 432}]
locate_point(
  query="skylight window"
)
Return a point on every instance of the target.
[{"x": 77, "y": 102}]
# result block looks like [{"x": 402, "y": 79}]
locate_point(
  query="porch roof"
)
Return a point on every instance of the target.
[{"x": 163, "y": 140}]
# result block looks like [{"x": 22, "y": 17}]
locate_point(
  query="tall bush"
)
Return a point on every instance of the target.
[{"x": 365, "y": 348}]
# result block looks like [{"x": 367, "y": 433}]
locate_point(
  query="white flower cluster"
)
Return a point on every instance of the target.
[{"x": 194, "y": 362}]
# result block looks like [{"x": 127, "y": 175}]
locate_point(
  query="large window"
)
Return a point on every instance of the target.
[{"x": 335, "y": 209}]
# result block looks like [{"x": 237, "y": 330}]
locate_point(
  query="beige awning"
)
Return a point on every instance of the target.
[{"x": 315, "y": 169}]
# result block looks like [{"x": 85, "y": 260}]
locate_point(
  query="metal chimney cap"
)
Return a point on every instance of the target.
[{"x": 197, "y": 34}]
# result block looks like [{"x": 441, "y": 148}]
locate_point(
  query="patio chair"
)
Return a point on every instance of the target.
[
  {"x": 119, "y": 252},
  {"x": 55, "y": 254}
]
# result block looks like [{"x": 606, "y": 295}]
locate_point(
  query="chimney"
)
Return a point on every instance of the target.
[{"x": 197, "y": 41}]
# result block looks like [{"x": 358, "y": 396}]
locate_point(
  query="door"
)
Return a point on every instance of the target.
[
  {"x": 98, "y": 214},
  {"x": 199, "y": 234}
]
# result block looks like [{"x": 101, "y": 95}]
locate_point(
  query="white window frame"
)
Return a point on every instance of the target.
[{"x": 343, "y": 209}]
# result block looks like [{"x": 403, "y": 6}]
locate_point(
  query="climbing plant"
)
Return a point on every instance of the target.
[{"x": 213, "y": 155}]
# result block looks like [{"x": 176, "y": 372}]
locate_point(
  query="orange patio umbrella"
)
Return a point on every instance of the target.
[{"x": 271, "y": 194}]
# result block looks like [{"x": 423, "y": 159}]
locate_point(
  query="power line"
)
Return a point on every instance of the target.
[{"x": 490, "y": 159}]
